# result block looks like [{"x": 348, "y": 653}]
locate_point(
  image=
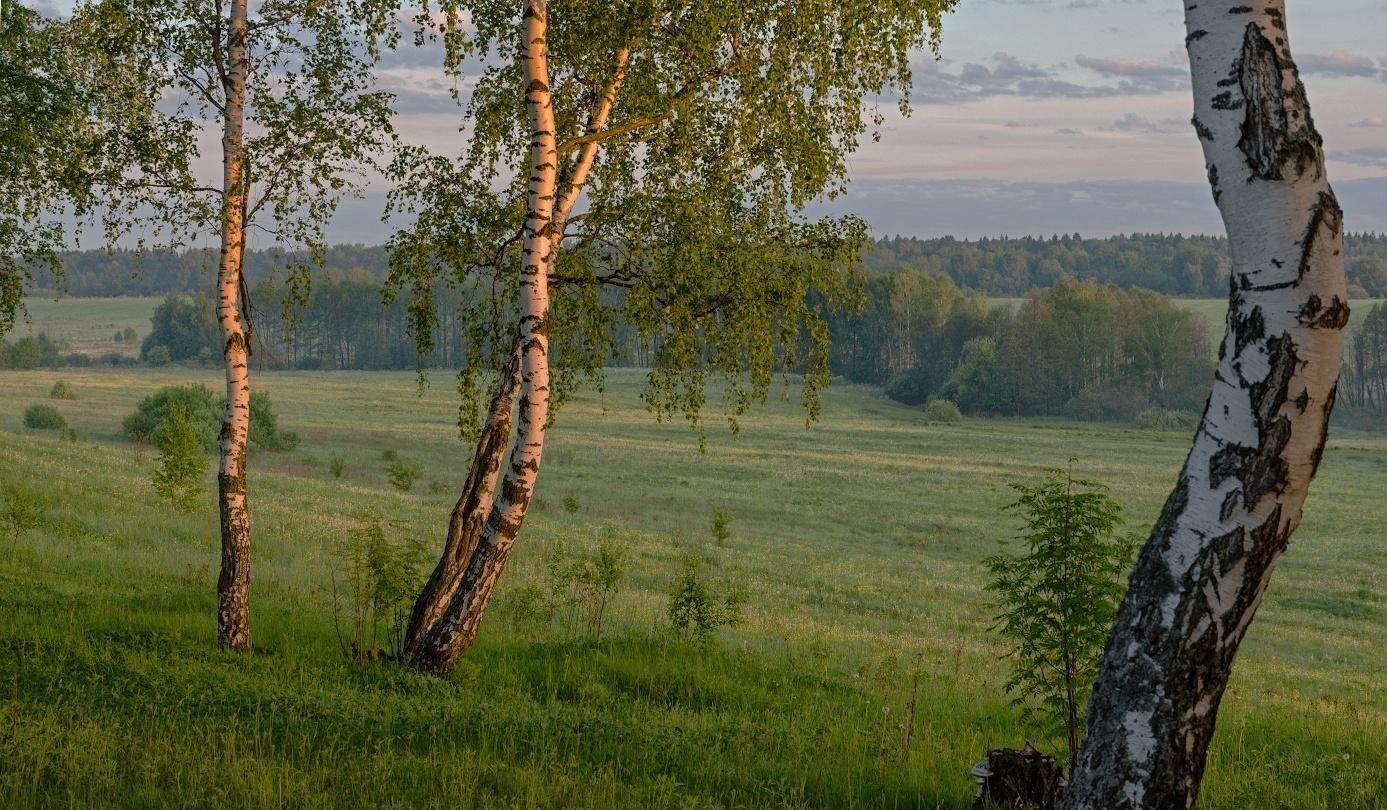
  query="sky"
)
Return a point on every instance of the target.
[{"x": 1043, "y": 116}]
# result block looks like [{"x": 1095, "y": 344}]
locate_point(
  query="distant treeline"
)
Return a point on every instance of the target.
[{"x": 1180, "y": 266}]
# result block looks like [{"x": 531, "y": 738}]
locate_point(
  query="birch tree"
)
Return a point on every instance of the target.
[
  {"x": 653, "y": 174},
  {"x": 286, "y": 84},
  {"x": 1206, "y": 566}
]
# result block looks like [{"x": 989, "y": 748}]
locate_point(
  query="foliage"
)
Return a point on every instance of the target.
[
  {"x": 31, "y": 352},
  {"x": 726, "y": 120},
  {"x": 315, "y": 126},
  {"x": 185, "y": 328},
  {"x": 722, "y": 526},
  {"x": 1058, "y": 597},
  {"x": 1364, "y": 384},
  {"x": 337, "y": 465},
  {"x": 1159, "y": 419},
  {"x": 62, "y": 389},
  {"x": 403, "y": 473},
  {"x": 697, "y": 606},
  {"x": 381, "y": 576},
  {"x": 23, "y": 512},
  {"x": 43, "y": 417},
  {"x": 41, "y": 132},
  {"x": 586, "y": 578},
  {"x": 182, "y": 463},
  {"x": 571, "y": 504},
  {"x": 204, "y": 411},
  {"x": 942, "y": 410}
]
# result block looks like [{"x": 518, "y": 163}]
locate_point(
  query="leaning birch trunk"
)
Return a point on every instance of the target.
[
  {"x": 454, "y": 631},
  {"x": 233, "y": 586},
  {"x": 471, "y": 510},
  {"x": 1206, "y": 566}
]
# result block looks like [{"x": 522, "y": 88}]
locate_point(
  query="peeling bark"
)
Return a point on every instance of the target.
[
  {"x": 1203, "y": 572},
  {"x": 233, "y": 584}
]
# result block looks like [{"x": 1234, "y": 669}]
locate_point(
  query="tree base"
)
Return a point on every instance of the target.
[{"x": 1009, "y": 779}]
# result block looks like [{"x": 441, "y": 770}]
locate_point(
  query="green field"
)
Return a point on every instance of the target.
[
  {"x": 858, "y": 541},
  {"x": 88, "y": 325}
]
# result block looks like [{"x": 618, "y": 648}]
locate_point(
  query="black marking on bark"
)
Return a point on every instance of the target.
[
  {"x": 1230, "y": 502},
  {"x": 1277, "y": 133},
  {"x": 1327, "y": 215},
  {"x": 1195, "y": 36},
  {"x": 1303, "y": 401},
  {"x": 1224, "y": 101},
  {"x": 1213, "y": 183},
  {"x": 1317, "y": 455},
  {"x": 1247, "y": 330},
  {"x": 1201, "y": 130},
  {"x": 1240, "y": 10}
]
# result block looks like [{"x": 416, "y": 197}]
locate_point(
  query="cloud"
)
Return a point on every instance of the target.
[
  {"x": 1133, "y": 123},
  {"x": 1375, "y": 122},
  {"x": 1373, "y": 157},
  {"x": 1005, "y": 74},
  {"x": 1338, "y": 63}
]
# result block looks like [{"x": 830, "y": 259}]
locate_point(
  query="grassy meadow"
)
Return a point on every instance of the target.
[{"x": 858, "y": 541}]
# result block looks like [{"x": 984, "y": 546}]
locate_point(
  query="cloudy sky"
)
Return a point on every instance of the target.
[
  {"x": 1064, "y": 115},
  {"x": 1046, "y": 116}
]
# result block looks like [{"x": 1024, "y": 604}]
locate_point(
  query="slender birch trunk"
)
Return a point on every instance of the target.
[
  {"x": 1206, "y": 566},
  {"x": 233, "y": 585},
  {"x": 472, "y": 508},
  {"x": 456, "y": 628},
  {"x": 448, "y": 612}
]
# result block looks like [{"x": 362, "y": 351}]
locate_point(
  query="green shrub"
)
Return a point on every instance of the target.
[
  {"x": 204, "y": 411},
  {"x": 403, "y": 473},
  {"x": 62, "y": 389},
  {"x": 698, "y": 607},
  {"x": 158, "y": 356},
  {"x": 1161, "y": 419},
  {"x": 337, "y": 466},
  {"x": 942, "y": 410},
  {"x": 912, "y": 387},
  {"x": 571, "y": 504},
  {"x": 381, "y": 577},
  {"x": 1059, "y": 596},
  {"x": 439, "y": 488},
  {"x": 22, "y": 513},
  {"x": 722, "y": 527},
  {"x": 182, "y": 463},
  {"x": 43, "y": 417},
  {"x": 587, "y": 578}
]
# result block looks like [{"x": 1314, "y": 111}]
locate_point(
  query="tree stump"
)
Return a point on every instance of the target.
[{"x": 1009, "y": 779}]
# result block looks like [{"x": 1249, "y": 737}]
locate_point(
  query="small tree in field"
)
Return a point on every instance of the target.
[
  {"x": 1059, "y": 596},
  {"x": 182, "y": 465}
]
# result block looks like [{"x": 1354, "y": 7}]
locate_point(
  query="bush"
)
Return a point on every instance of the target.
[
  {"x": 337, "y": 466},
  {"x": 570, "y": 504},
  {"x": 911, "y": 387},
  {"x": 204, "y": 412},
  {"x": 942, "y": 410},
  {"x": 62, "y": 390},
  {"x": 722, "y": 527},
  {"x": 403, "y": 473},
  {"x": 182, "y": 464},
  {"x": 23, "y": 512},
  {"x": 79, "y": 360},
  {"x": 158, "y": 356},
  {"x": 1059, "y": 596},
  {"x": 381, "y": 577},
  {"x": 587, "y": 579},
  {"x": 697, "y": 607},
  {"x": 152, "y": 413},
  {"x": 1107, "y": 402},
  {"x": 43, "y": 417},
  {"x": 1161, "y": 419}
]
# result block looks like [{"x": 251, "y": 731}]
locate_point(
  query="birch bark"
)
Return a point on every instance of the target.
[
  {"x": 1203, "y": 572},
  {"x": 233, "y": 584}
]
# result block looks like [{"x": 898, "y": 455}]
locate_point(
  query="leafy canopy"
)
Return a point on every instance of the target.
[{"x": 726, "y": 119}]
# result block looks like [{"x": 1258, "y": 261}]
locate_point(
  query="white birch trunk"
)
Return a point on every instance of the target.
[
  {"x": 1207, "y": 564},
  {"x": 453, "y": 632},
  {"x": 233, "y": 585}
]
